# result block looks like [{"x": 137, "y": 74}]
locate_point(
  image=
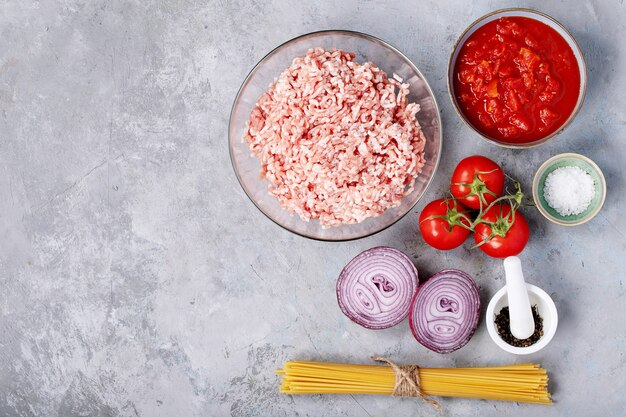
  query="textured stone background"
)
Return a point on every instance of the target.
[{"x": 136, "y": 279}]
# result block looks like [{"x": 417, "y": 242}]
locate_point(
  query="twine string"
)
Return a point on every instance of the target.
[{"x": 407, "y": 381}]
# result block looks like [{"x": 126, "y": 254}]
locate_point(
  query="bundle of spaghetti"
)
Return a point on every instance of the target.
[{"x": 520, "y": 383}]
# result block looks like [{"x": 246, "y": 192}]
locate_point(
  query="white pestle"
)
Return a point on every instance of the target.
[{"x": 520, "y": 313}]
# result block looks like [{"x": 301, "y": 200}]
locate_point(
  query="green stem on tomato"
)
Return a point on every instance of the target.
[
  {"x": 514, "y": 199},
  {"x": 502, "y": 225},
  {"x": 453, "y": 217},
  {"x": 478, "y": 188}
]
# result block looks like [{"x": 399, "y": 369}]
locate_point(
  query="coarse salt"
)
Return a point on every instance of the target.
[{"x": 569, "y": 190}]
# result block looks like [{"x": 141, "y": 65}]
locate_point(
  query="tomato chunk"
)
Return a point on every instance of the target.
[
  {"x": 512, "y": 101},
  {"x": 547, "y": 116},
  {"x": 492, "y": 89},
  {"x": 528, "y": 59},
  {"x": 520, "y": 122}
]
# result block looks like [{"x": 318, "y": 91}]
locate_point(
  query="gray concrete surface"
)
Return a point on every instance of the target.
[{"x": 136, "y": 279}]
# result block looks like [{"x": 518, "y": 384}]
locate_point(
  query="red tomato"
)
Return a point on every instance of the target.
[
  {"x": 477, "y": 179},
  {"x": 510, "y": 233},
  {"x": 440, "y": 224}
]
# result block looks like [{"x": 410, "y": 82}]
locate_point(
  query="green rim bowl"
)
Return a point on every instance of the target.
[{"x": 564, "y": 160}]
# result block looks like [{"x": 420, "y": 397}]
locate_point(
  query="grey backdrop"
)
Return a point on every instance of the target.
[{"x": 136, "y": 279}]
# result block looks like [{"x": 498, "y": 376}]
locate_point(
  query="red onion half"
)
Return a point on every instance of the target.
[
  {"x": 376, "y": 287},
  {"x": 445, "y": 311}
]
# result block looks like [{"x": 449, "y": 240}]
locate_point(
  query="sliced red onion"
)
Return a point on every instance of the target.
[
  {"x": 445, "y": 311},
  {"x": 376, "y": 287}
]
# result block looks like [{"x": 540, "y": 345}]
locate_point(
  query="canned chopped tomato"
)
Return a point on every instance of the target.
[{"x": 516, "y": 80}]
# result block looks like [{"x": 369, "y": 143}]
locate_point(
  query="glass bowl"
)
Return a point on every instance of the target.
[
  {"x": 367, "y": 48},
  {"x": 531, "y": 14}
]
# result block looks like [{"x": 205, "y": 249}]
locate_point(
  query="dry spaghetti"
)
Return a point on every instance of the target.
[{"x": 520, "y": 383}]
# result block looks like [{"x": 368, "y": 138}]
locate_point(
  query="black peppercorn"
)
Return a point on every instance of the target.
[{"x": 503, "y": 325}]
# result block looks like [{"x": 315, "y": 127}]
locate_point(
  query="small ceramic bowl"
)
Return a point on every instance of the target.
[
  {"x": 531, "y": 14},
  {"x": 564, "y": 160},
  {"x": 546, "y": 309}
]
